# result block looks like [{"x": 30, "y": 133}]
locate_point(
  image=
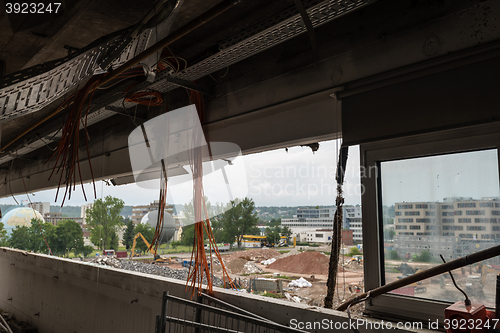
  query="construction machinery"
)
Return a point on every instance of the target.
[{"x": 151, "y": 250}]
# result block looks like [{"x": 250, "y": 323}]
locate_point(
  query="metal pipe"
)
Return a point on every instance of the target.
[{"x": 428, "y": 273}]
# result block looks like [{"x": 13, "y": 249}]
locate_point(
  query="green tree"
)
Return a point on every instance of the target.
[
  {"x": 392, "y": 255},
  {"x": 176, "y": 244},
  {"x": 425, "y": 256},
  {"x": 36, "y": 240},
  {"x": 19, "y": 238},
  {"x": 3, "y": 235},
  {"x": 85, "y": 250},
  {"x": 148, "y": 232},
  {"x": 354, "y": 252},
  {"x": 287, "y": 232},
  {"x": 69, "y": 237},
  {"x": 273, "y": 234},
  {"x": 128, "y": 235},
  {"x": 274, "y": 222},
  {"x": 187, "y": 237},
  {"x": 113, "y": 241},
  {"x": 104, "y": 219},
  {"x": 240, "y": 219}
]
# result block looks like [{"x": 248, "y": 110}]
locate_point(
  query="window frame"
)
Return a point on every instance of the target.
[{"x": 471, "y": 138}]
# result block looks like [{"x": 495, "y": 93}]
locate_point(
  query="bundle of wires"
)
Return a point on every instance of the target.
[
  {"x": 169, "y": 61},
  {"x": 67, "y": 151},
  {"x": 201, "y": 267},
  {"x": 149, "y": 98}
]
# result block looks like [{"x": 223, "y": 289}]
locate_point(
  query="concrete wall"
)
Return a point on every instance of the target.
[{"x": 62, "y": 295}]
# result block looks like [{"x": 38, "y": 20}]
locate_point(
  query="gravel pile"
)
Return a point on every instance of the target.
[{"x": 135, "y": 266}]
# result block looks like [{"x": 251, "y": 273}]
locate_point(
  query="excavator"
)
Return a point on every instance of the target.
[{"x": 156, "y": 256}]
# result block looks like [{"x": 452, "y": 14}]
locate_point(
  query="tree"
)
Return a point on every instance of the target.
[
  {"x": 176, "y": 244},
  {"x": 392, "y": 255},
  {"x": 425, "y": 256},
  {"x": 69, "y": 237},
  {"x": 104, "y": 218},
  {"x": 19, "y": 239},
  {"x": 85, "y": 250},
  {"x": 240, "y": 219},
  {"x": 354, "y": 252},
  {"x": 187, "y": 237},
  {"x": 287, "y": 232},
  {"x": 3, "y": 235},
  {"x": 38, "y": 241},
  {"x": 273, "y": 234},
  {"x": 389, "y": 234},
  {"x": 128, "y": 235},
  {"x": 113, "y": 241},
  {"x": 148, "y": 232}
]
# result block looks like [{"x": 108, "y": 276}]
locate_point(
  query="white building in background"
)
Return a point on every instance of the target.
[
  {"x": 41, "y": 207},
  {"x": 138, "y": 212},
  {"x": 352, "y": 220},
  {"x": 83, "y": 212},
  {"x": 309, "y": 220}
]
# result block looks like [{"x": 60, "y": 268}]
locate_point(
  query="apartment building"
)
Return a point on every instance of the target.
[
  {"x": 41, "y": 207},
  {"x": 308, "y": 221},
  {"x": 83, "y": 210},
  {"x": 55, "y": 218},
  {"x": 464, "y": 218},
  {"x": 452, "y": 227},
  {"x": 138, "y": 212}
]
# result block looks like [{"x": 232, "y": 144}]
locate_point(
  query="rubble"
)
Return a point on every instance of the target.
[
  {"x": 300, "y": 283},
  {"x": 135, "y": 266},
  {"x": 250, "y": 268},
  {"x": 268, "y": 261}
]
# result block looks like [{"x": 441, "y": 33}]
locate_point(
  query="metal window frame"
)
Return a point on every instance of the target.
[{"x": 471, "y": 138}]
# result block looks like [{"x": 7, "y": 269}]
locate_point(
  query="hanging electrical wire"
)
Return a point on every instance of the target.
[
  {"x": 201, "y": 268},
  {"x": 67, "y": 156}
]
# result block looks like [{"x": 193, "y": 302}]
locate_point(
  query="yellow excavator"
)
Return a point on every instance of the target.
[{"x": 151, "y": 250}]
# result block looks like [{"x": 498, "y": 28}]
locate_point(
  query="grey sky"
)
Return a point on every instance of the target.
[
  {"x": 275, "y": 178},
  {"x": 470, "y": 174}
]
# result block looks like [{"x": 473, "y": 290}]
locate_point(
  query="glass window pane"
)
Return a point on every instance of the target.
[{"x": 442, "y": 205}]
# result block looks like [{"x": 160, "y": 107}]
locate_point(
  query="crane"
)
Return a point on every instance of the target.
[{"x": 153, "y": 252}]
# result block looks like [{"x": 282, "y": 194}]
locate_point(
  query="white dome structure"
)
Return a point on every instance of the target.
[
  {"x": 19, "y": 216},
  {"x": 168, "y": 227}
]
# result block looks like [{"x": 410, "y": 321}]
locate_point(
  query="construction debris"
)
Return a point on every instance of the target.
[
  {"x": 250, "y": 268},
  {"x": 300, "y": 283},
  {"x": 268, "y": 261},
  {"x": 135, "y": 266}
]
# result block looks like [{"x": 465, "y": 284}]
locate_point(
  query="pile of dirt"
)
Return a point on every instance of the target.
[
  {"x": 305, "y": 263},
  {"x": 236, "y": 265},
  {"x": 255, "y": 254}
]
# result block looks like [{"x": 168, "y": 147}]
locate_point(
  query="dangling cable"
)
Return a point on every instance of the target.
[{"x": 201, "y": 267}]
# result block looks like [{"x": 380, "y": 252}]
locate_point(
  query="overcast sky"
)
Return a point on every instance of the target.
[
  {"x": 298, "y": 177},
  {"x": 469, "y": 174}
]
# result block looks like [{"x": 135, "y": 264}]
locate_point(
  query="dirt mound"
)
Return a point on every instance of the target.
[
  {"x": 305, "y": 263},
  {"x": 236, "y": 265},
  {"x": 255, "y": 254}
]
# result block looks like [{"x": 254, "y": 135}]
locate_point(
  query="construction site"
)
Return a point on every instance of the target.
[{"x": 175, "y": 94}]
